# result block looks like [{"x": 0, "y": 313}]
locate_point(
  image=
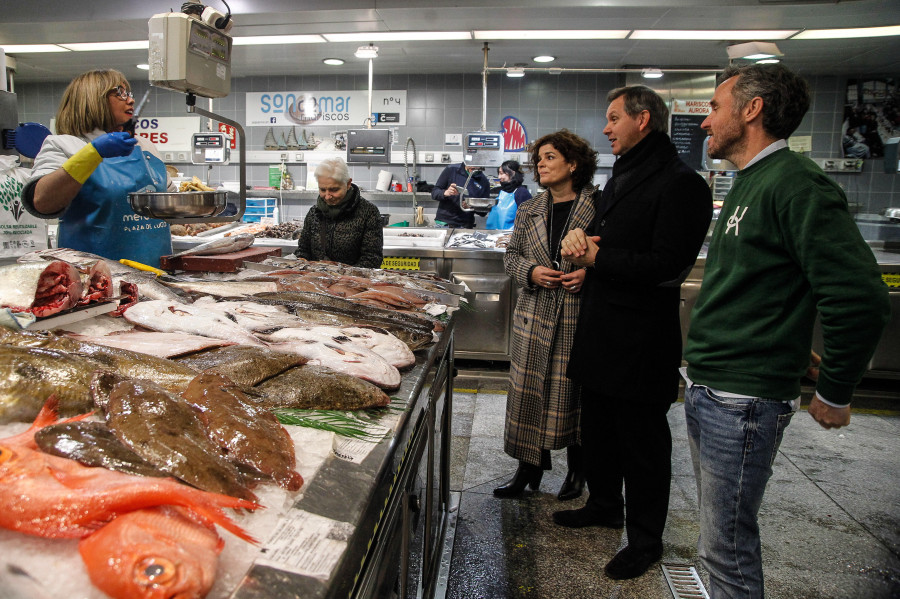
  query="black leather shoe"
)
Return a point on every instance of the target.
[
  {"x": 572, "y": 487},
  {"x": 631, "y": 563},
  {"x": 587, "y": 516},
  {"x": 526, "y": 475}
]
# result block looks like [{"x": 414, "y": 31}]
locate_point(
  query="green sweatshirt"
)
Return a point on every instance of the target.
[{"x": 785, "y": 247}]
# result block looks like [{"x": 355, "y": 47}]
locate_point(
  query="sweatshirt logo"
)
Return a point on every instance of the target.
[{"x": 734, "y": 221}]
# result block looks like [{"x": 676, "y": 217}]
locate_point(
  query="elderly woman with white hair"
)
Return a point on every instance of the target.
[{"x": 342, "y": 226}]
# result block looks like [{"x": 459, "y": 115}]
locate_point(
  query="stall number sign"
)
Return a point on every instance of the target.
[
  {"x": 394, "y": 263},
  {"x": 169, "y": 134},
  {"x": 314, "y": 108},
  {"x": 891, "y": 279}
]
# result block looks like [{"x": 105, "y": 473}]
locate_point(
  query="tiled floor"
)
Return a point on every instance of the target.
[{"x": 830, "y": 519}]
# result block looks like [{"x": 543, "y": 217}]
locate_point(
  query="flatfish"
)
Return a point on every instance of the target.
[
  {"x": 165, "y": 430},
  {"x": 170, "y": 317},
  {"x": 244, "y": 364},
  {"x": 353, "y": 360},
  {"x": 250, "y": 436},
  {"x": 92, "y": 444},
  {"x": 319, "y": 388},
  {"x": 380, "y": 341}
]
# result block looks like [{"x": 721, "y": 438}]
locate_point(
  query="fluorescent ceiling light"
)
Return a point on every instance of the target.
[
  {"x": 544, "y": 58},
  {"x": 335, "y": 62},
  {"x": 515, "y": 72},
  {"x": 719, "y": 35},
  {"x": 143, "y": 67},
  {"x": 754, "y": 50},
  {"x": 768, "y": 61},
  {"x": 651, "y": 73},
  {"x": 267, "y": 40},
  {"x": 831, "y": 34},
  {"x": 369, "y": 51},
  {"x": 102, "y": 46},
  {"x": 32, "y": 48},
  {"x": 398, "y": 36},
  {"x": 553, "y": 34}
]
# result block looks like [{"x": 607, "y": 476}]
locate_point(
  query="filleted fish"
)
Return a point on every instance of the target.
[{"x": 40, "y": 288}]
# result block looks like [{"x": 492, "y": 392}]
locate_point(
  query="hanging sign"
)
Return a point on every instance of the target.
[
  {"x": 515, "y": 138},
  {"x": 324, "y": 108}
]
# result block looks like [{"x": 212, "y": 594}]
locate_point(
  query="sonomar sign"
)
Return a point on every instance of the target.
[{"x": 327, "y": 108}]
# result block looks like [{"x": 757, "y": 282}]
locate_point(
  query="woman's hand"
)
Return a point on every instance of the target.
[
  {"x": 573, "y": 281},
  {"x": 545, "y": 277},
  {"x": 117, "y": 143}
]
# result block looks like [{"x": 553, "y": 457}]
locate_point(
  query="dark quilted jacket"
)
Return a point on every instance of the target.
[{"x": 354, "y": 237}]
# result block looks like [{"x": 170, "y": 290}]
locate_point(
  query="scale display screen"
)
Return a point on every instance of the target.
[
  {"x": 209, "y": 148},
  {"x": 368, "y": 146},
  {"x": 484, "y": 148}
]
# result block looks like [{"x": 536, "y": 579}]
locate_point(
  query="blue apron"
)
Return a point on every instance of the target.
[
  {"x": 100, "y": 219},
  {"x": 503, "y": 214}
]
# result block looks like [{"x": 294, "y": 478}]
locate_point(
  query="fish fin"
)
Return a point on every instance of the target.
[{"x": 218, "y": 516}]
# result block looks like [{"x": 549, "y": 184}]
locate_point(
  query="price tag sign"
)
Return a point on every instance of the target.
[{"x": 395, "y": 263}]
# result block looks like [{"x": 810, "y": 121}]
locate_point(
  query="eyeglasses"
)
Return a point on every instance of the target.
[{"x": 121, "y": 93}]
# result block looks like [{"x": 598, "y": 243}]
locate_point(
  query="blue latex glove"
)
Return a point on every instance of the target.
[{"x": 117, "y": 143}]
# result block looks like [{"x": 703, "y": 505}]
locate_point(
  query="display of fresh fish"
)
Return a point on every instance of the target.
[
  {"x": 92, "y": 443},
  {"x": 358, "y": 361},
  {"x": 389, "y": 347},
  {"x": 49, "y": 496},
  {"x": 249, "y": 436},
  {"x": 148, "y": 285},
  {"x": 245, "y": 365},
  {"x": 224, "y": 245},
  {"x": 153, "y": 553},
  {"x": 222, "y": 288},
  {"x": 169, "y": 374},
  {"x": 165, "y": 430},
  {"x": 168, "y": 317},
  {"x": 40, "y": 288},
  {"x": 29, "y": 375},
  {"x": 154, "y": 343},
  {"x": 313, "y": 387},
  {"x": 252, "y": 316}
]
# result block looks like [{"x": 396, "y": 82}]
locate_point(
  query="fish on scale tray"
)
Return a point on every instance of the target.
[{"x": 49, "y": 496}]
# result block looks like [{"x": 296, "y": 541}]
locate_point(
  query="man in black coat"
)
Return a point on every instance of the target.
[
  {"x": 447, "y": 191},
  {"x": 650, "y": 223}
]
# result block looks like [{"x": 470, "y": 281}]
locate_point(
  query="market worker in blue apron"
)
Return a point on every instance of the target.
[
  {"x": 512, "y": 193},
  {"x": 83, "y": 175}
]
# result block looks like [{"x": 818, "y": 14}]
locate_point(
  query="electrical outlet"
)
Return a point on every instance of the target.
[
  {"x": 182, "y": 156},
  {"x": 829, "y": 164},
  {"x": 284, "y": 157},
  {"x": 298, "y": 156},
  {"x": 445, "y": 158}
]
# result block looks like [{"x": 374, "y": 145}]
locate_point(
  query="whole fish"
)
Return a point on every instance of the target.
[
  {"x": 49, "y": 496},
  {"x": 250, "y": 436},
  {"x": 168, "y": 317},
  {"x": 92, "y": 444},
  {"x": 153, "y": 553},
  {"x": 29, "y": 375},
  {"x": 222, "y": 288},
  {"x": 389, "y": 347},
  {"x": 153, "y": 343},
  {"x": 169, "y": 374},
  {"x": 355, "y": 361},
  {"x": 165, "y": 430},
  {"x": 244, "y": 364},
  {"x": 40, "y": 288},
  {"x": 252, "y": 316},
  {"x": 225, "y": 245},
  {"x": 319, "y": 388}
]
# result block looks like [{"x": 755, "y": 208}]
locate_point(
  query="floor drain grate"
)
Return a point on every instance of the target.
[{"x": 684, "y": 582}]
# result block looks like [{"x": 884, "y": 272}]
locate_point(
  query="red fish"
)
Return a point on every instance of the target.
[
  {"x": 154, "y": 553},
  {"x": 49, "y": 496}
]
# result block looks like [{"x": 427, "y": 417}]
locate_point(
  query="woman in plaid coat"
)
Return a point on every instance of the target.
[{"x": 542, "y": 406}]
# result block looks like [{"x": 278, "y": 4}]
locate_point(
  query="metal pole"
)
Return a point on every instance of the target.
[
  {"x": 484, "y": 73},
  {"x": 369, "y": 116}
]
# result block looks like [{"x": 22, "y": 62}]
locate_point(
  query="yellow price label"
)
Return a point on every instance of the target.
[
  {"x": 891, "y": 279},
  {"x": 395, "y": 263}
]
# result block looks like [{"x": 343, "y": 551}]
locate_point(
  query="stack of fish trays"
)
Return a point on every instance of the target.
[{"x": 259, "y": 208}]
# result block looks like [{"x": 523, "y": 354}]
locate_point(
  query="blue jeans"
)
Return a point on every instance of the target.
[{"x": 733, "y": 445}]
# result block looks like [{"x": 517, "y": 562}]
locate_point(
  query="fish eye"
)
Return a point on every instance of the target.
[
  {"x": 5, "y": 454},
  {"x": 154, "y": 571}
]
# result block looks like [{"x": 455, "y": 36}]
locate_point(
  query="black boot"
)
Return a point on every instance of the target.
[
  {"x": 526, "y": 475},
  {"x": 573, "y": 486}
]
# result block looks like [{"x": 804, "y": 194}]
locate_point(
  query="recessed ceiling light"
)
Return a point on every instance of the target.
[
  {"x": 544, "y": 58},
  {"x": 333, "y": 61},
  {"x": 370, "y": 51},
  {"x": 143, "y": 67}
]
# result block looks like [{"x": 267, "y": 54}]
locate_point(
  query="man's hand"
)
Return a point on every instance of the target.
[
  {"x": 451, "y": 191},
  {"x": 579, "y": 248},
  {"x": 827, "y": 416}
]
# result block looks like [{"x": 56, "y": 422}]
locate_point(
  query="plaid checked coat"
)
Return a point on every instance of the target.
[{"x": 542, "y": 405}]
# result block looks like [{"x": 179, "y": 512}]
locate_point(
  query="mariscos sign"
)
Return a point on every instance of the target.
[{"x": 325, "y": 108}]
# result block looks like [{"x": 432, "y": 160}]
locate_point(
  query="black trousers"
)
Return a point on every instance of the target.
[{"x": 627, "y": 440}]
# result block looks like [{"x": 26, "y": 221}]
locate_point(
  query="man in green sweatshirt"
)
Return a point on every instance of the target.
[{"x": 784, "y": 249}]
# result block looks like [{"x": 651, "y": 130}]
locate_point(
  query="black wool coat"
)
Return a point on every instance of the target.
[{"x": 652, "y": 218}]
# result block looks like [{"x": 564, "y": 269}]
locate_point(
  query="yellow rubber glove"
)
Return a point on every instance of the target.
[{"x": 82, "y": 163}]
